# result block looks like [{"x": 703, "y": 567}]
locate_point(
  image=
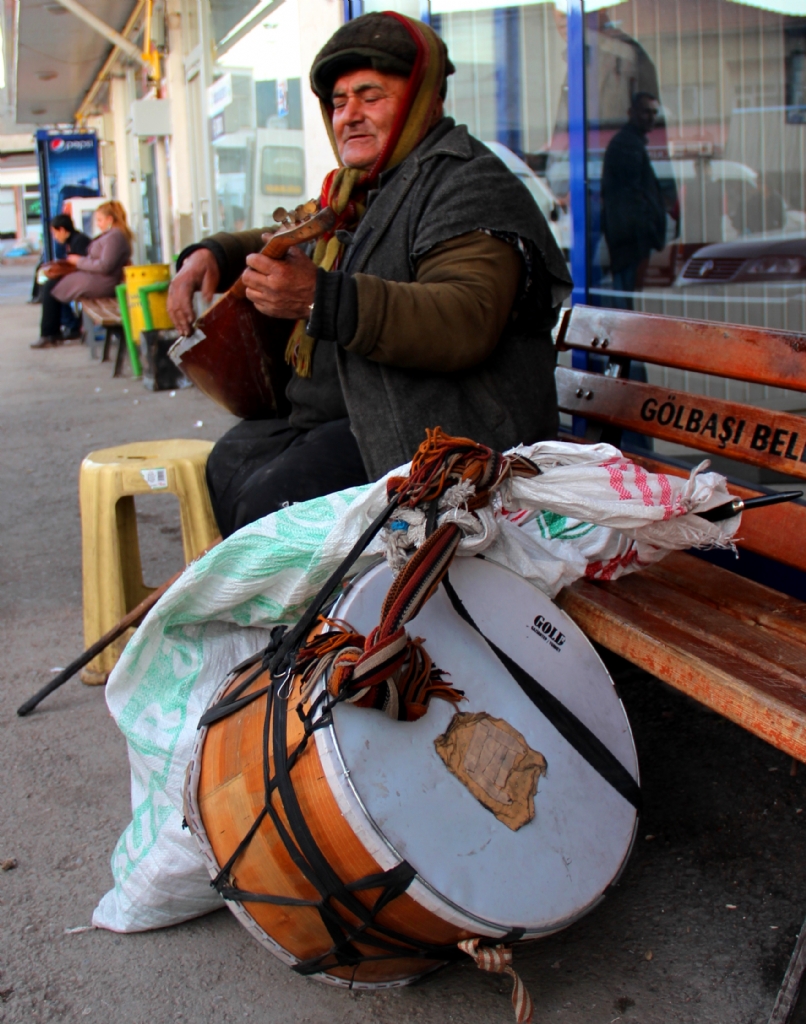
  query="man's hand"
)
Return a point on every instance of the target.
[
  {"x": 282, "y": 288},
  {"x": 72, "y": 258},
  {"x": 199, "y": 273}
]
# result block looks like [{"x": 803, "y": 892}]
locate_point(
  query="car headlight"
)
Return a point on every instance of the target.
[{"x": 779, "y": 265}]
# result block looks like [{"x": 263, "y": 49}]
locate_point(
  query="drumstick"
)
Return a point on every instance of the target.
[
  {"x": 132, "y": 618},
  {"x": 737, "y": 505}
]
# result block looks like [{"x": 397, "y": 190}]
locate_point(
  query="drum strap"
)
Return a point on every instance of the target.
[
  {"x": 586, "y": 743},
  {"x": 498, "y": 960}
]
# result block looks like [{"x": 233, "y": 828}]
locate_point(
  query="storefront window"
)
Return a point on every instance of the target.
[
  {"x": 708, "y": 96},
  {"x": 270, "y": 149},
  {"x": 696, "y": 149},
  {"x": 510, "y": 90}
]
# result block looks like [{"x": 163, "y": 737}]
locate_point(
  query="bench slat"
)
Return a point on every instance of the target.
[
  {"x": 777, "y": 358},
  {"x": 774, "y": 440},
  {"x": 728, "y": 683},
  {"x": 778, "y": 660},
  {"x": 103, "y": 312},
  {"x": 769, "y": 532},
  {"x": 751, "y": 603}
]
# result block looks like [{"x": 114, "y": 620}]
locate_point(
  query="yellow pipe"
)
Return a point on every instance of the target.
[
  {"x": 81, "y": 113},
  {"x": 150, "y": 54}
]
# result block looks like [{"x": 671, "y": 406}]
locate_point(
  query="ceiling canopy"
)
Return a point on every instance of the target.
[{"x": 58, "y": 57}]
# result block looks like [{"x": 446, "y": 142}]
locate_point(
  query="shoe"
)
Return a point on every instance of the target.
[
  {"x": 76, "y": 335},
  {"x": 46, "y": 341}
]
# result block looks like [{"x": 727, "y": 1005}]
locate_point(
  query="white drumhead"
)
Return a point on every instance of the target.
[{"x": 404, "y": 803}]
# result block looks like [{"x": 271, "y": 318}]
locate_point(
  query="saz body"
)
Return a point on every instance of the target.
[{"x": 236, "y": 355}]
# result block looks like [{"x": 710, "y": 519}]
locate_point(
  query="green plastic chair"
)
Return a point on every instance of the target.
[{"x": 125, "y": 319}]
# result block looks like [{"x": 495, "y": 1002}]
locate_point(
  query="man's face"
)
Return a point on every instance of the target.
[
  {"x": 60, "y": 234},
  {"x": 644, "y": 114},
  {"x": 365, "y": 104}
]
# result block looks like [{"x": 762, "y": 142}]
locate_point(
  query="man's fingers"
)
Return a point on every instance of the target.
[
  {"x": 255, "y": 280},
  {"x": 264, "y": 264},
  {"x": 180, "y": 304},
  {"x": 199, "y": 272},
  {"x": 209, "y": 284}
]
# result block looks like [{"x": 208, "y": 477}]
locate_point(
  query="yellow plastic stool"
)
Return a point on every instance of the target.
[{"x": 112, "y": 570}]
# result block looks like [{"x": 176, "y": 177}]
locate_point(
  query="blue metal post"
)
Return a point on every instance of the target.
[
  {"x": 577, "y": 150},
  {"x": 578, "y": 171}
]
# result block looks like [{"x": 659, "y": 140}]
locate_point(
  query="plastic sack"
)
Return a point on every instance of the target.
[{"x": 589, "y": 512}]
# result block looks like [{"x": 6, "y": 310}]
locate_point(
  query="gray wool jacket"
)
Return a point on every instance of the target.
[{"x": 449, "y": 186}]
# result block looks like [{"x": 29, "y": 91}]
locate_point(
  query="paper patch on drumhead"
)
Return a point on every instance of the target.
[{"x": 495, "y": 763}]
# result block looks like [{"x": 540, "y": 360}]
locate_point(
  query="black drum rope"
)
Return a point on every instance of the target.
[
  {"x": 307, "y": 856},
  {"x": 278, "y": 656}
]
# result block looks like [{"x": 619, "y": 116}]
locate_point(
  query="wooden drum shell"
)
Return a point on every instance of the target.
[{"x": 224, "y": 797}]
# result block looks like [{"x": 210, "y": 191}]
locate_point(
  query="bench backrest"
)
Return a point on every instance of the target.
[{"x": 744, "y": 433}]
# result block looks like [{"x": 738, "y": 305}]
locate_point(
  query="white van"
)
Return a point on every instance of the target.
[
  {"x": 547, "y": 203},
  {"x": 279, "y": 172}
]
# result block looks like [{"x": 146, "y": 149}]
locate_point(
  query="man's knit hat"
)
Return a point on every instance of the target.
[{"x": 375, "y": 41}]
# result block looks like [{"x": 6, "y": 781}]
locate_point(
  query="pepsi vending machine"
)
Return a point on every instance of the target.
[{"x": 68, "y": 169}]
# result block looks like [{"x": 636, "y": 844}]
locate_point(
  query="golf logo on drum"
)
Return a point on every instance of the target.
[
  {"x": 495, "y": 763},
  {"x": 548, "y": 632}
]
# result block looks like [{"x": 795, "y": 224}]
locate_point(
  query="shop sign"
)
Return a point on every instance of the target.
[
  {"x": 219, "y": 95},
  {"x": 282, "y": 97}
]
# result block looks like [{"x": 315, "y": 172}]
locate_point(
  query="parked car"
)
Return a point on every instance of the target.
[
  {"x": 547, "y": 202},
  {"x": 752, "y": 261}
]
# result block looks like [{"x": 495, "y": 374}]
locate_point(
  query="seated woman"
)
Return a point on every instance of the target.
[{"x": 96, "y": 274}]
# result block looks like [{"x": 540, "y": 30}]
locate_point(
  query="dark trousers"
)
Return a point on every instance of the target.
[
  {"x": 262, "y": 465},
  {"x": 51, "y": 311}
]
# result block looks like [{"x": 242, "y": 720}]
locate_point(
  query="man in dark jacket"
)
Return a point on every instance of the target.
[
  {"x": 433, "y": 305},
  {"x": 634, "y": 213},
  {"x": 67, "y": 241}
]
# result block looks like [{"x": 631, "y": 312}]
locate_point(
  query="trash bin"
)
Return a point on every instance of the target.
[{"x": 136, "y": 278}]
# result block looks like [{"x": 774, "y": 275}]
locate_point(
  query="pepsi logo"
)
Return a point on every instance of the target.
[{"x": 57, "y": 144}]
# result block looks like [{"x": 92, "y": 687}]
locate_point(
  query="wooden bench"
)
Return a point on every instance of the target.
[
  {"x": 106, "y": 313},
  {"x": 734, "y": 645}
]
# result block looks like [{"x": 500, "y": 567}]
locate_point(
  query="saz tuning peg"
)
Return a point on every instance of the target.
[{"x": 299, "y": 215}]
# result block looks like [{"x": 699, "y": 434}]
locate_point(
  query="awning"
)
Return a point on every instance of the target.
[{"x": 58, "y": 57}]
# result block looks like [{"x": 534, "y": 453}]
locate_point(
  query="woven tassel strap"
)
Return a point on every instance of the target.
[
  {"x": 387, "y": 670},
  {"x": 498, "y": 960},
  {"x": 442, "y": 461}
]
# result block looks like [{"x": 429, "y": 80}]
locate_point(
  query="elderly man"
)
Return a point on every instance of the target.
[{"x": 432, "y": 305}]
